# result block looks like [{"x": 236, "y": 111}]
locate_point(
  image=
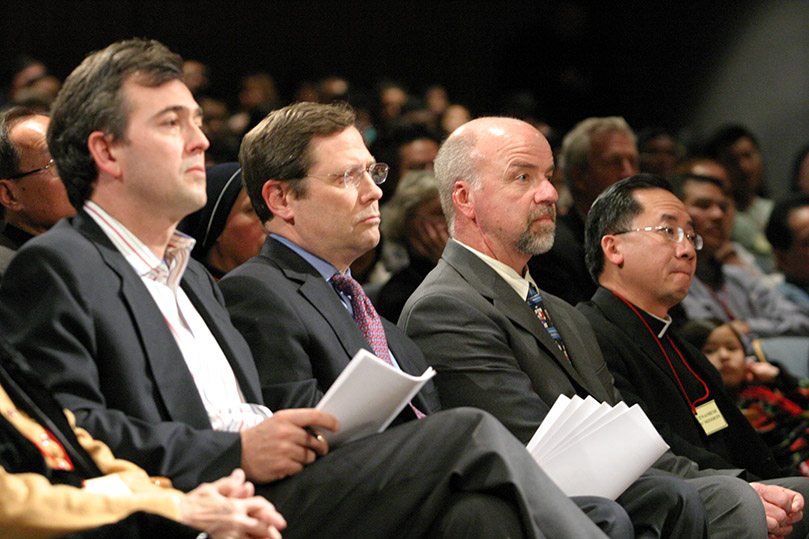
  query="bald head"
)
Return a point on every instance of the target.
[{"x": 493, "y": 175}]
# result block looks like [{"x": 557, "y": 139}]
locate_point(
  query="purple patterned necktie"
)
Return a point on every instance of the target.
[{"x": 367, "y": 319}]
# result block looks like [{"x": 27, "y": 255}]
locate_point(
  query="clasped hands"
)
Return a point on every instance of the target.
[{"x": 783, "y": 508}]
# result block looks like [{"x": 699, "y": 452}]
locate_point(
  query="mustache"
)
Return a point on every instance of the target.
[{"x": 543, "y": 211}]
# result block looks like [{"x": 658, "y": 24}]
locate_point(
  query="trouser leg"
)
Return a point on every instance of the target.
[
  {"x": 472, "y": 515},
  {"x": 663, "y": 505},
  {"x": 734, "y": 509},
  {"x": 608, "y": 515},
  {"x": 398, "y": 483}
]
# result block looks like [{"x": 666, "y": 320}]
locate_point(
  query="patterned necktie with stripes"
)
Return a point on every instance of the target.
[
  {"x": 534, "y": 301},
  {"x": 367, "y": 319}
]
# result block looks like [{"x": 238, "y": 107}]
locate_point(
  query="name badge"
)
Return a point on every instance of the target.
[{"x": 710, "y": 417}]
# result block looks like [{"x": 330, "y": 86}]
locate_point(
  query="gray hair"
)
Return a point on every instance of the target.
[
  {"x": 457, "y": 160},
  {"x": 575, "y": 152}
]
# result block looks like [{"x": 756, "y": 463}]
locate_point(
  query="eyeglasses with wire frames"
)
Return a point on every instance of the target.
[
  {"x": 354, "y": 175},
  {"x": 50, "y": 167},
  {"x": 671, "y": 233}
]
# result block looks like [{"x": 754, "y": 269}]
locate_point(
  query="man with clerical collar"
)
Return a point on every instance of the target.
[
  {"x": 32, "y": 196},
  {"x": 133, "y": 336},
  {"x": 315, "y": 186},
  {"x": 641, "y": 247}
]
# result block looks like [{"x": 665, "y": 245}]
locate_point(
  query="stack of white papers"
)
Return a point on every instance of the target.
[
  {"x": 367, "y": 396},
  {"x": 592, "y": 448}
]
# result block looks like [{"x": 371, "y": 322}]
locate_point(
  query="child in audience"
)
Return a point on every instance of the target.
[{"x": 774, "y": 401}]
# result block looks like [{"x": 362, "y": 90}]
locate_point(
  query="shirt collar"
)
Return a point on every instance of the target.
[
  {"x": 325, "y": 269},
  {"x": 146, "y": 264},
  {"x": 519, "y": 283}
]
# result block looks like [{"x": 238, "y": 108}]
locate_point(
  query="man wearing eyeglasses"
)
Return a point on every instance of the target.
[
  {"x": 315, "y": 185},
  {"x": 31, "y": 193},
  {"x": 133, "y": 337},
  {"x": 641, "y": 247}
]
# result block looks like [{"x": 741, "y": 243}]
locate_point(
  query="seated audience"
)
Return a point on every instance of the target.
[
  {"x": 659, "y": 151},
  {"x": 788, "y": 232},
  {"x": 642, "y": 247},
  {"x": 774, "y": 401},
  {"x": 320, "y": 220},
  {"x": 56, "y": 479},
  {"x": 227, "y": 230},
  {"x": 737, "y": 149},
  {"x": 727, "y": 291},
  {"x": 130, "y": 334},
  {"x": 32, "y": 197},
  {"x": 413, "y": 220},
  {"x": 500, "y": 343}
]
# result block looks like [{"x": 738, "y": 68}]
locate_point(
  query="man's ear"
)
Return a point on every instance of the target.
[
  {"x": 463, "y": 198},
  {"x": 277, "y": 196},
  {"x": 103, "y": 150},
  {"x": 611, "y": 248},
  {"x": 8, "y": 197}
]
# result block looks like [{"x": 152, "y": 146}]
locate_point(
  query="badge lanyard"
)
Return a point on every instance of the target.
[{"x": 693, "y": 405}]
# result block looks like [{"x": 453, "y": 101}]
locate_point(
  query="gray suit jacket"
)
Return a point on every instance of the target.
[{"x": 490, "y": 349}]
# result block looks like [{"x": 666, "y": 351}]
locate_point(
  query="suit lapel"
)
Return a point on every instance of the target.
[
  {"x": 491, "y": 286},
  {"x": 176, "y": 386},
  {"x": 320, "y": 294},
  {"x": 215, "y": 317}
]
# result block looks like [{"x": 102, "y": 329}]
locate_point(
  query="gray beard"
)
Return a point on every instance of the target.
[{"x": 536, "y": 243}]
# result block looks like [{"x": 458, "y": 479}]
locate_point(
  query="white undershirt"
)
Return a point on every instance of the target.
[{"x": 212, "y": 374}]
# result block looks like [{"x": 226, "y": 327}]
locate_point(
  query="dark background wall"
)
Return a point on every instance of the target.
[{"x": 686, "y": 65}]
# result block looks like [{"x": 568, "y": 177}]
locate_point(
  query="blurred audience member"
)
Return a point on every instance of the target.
[
  {"x": 227, "y": 230},
  {"x": 596, "y": 153},
  {"x": 774, "y": 401},
  {"x": 659, "y": 151},
  {"x": 437, "y": 99},
  {"x": 224, "y": 143},
  {"x": 257, "y": 97},
  {"x": 788, "y": 232},
  {"x": 454, "y": 117},
  {"x": 412, "y": 219},
  {"x": 726, "y": 291},
  {"x": 730, "y": 252},
  {"x": 196, "y": 76},
  {"x": 800, "y": 171},
  {"x": 332, "y": 89},
  {"x": 32, "y": 195},
  {"x": 737, "y": 149}
]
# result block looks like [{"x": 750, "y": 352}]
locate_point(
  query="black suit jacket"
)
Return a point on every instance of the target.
[
  {"x": 490, "y": 349},
  {"x": 78, "y": 312},
  {"x": 643, "y": 376},
  {"x": 300, "y": 333}
]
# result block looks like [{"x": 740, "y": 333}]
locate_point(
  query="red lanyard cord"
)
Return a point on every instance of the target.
[{"x": 687, "y": 366}]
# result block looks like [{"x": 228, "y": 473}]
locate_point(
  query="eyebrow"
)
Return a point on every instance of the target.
[
  {"x": 532, "y": 166},
  {"x": 669, "y": 218},
  {"x": 195, "y": 112}
]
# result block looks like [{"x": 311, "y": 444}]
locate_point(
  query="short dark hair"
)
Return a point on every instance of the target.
[
  {"x": 278, "y": 147},
  {"x": 679, "y": 181},
  {"x": 613, "y": 211},
  {"x": 725, "y": 137},
  {"x": 696, "y": 332},
  {"x": 779, "y": 234},
  {"x": 91, "y": 99},
  {"x": 9, "y": 153}
]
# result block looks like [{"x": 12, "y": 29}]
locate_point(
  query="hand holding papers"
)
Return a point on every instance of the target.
[
  {"x": 367, "y": 396},
  {"x": 592, "y": 448}
]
